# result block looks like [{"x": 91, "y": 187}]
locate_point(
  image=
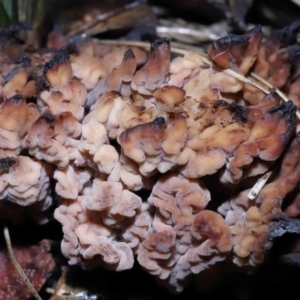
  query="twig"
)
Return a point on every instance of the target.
[
  {"x": 139, "y": 44},
  {"x": 259, "y": 185},
  {"x": 17, "y": 265},
  {"x": 190, "y": 34}
]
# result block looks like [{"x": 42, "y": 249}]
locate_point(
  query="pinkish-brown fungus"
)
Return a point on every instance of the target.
[
  {"x": 251, "y": 221},
  {"x": 15, "y": 118},
  {"x": 141, "y": 150},
  {"x": 152, "y": 75},
  {"x": 53, "y": 138},
  {"x": 156, "y": 145},
  {"x": 236, "y": 52},
  {"x": 181, "y": 228},
  {"x": 268, "y": 139}
]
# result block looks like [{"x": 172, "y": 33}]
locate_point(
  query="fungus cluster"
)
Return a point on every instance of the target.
[{"x": 152, "y": 158}]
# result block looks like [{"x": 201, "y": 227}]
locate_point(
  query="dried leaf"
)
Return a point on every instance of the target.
[{"x": 36, "y": 262}]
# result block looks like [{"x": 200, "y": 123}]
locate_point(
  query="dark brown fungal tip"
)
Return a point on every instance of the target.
[
  {"x": 294, "y": 60},
  {"x": 156, "y": 126},
  {"x": 293, "y": 53},
  {"x": 240, "y": 113},
  {"x": 272, "y": 95},
  {"x": 255, "y": 30},
  {"x": 59, "y": 58},
  {"x": 129, "y": 54},
  {"x": 288, "y": 110},
  {"x": 6, "y": 163},
  {"x": 10, "y": 32},
  {"x": 220, "y": 103},
  {"x": 285, "y": 36},
  {"x": 16, "y": 99},
  {"x": 115, "y": 94},
  {"x": 72, "y": 48},
  {"x": 227, "y": 42},
  {"x": 158, "y": 42},
  {"x": 254, "y": 33},
  {"x": 41, "y": 84},
  {"x": 47, "y": 117},
  {"x": 24, "y": 61},
  {"x": 158, "y": 122},
  {"x": 10, "y": 75},
  {"x": 229, "y": 51}
]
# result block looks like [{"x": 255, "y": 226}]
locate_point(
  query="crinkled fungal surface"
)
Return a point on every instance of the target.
[
  {"x": 65, "y": 93},
  {"x": 54, "y": 138},
  {"x": 100, "y": 128},
  {"x": 94, "y": 223},
  {"x": 155, "y": 145},
  {"x": 117, "y": 112},
  {"x": 15, "y": 118},
  {"x": 251, "y": 221},
  {"x": 26, "y": 182},
  {"x": 267, "y": 140},
  {"x": 235, "y": 51},
  {"x": 186, "y": 237},
  {"x": 152, "y": 75}
]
